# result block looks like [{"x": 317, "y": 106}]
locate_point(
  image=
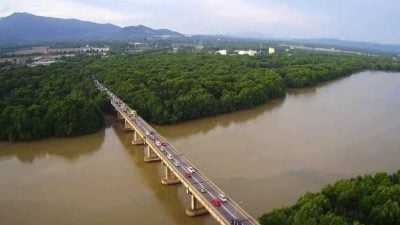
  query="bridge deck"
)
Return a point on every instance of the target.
[{"x": 226, "y": 213}]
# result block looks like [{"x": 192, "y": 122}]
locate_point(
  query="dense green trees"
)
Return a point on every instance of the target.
[
  {"x": 167, "y": 88},
  {"x": 302, "y": 69},
  {"x": 368, "y": 200},
  {"x": 58, "y": 100},
  {"x": 61, "y": 100}
]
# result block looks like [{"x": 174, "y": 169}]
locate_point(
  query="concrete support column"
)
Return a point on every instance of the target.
[
  {"x": 119, "y": 115},
  {"x": 170, "y": 177},
  {"x": 196, "y": 208},
  {"x": 128, "y": 126},
  {"x": 137, "y": 139},
  {"x": 150, "y": 155}
]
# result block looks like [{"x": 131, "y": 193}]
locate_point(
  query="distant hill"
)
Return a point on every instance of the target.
[
  {"x": 350, "y": 45},
  {"x": 134, "y": 31},
  {"x": 25, "y": 27}
]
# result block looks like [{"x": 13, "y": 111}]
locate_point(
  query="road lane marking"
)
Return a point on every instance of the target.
[{"x": 182, "y": 161}]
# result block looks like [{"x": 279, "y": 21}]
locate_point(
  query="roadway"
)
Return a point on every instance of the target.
[{"x": 228, "y": 211}]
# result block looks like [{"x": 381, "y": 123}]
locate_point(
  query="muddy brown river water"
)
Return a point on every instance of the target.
[{"x": 266, "y": 157}]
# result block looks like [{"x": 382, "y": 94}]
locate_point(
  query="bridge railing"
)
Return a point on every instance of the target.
[
  {"x": 177, "y": 172},
  {"x": 209, "y": 181}
]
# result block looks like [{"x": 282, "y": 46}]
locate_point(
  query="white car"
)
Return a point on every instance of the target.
[
  {"x": 162, "y": 148},
  {"x": 176, "y": 163},
  {"x": 147, "y": 133},
  {"x": 169, "y": 156},
  {"x": 158, "y": 143},
  {"x": 191, "y": 169},
  {"x": 222, "y": 197},
  {"x": 202, "y": 189}
]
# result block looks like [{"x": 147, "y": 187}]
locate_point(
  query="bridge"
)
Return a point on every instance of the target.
[{"x": 205, "y": 196}]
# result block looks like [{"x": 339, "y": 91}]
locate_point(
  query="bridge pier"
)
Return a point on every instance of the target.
[
  {"x": 170, "y": 177},
  {"x": 196, "y": 208},
  {"x": 137, "y": 139},
  {"x": 150, "y": 155},
  {"x": 119, "y": 116},
  {"x": 128, "y": 126}
]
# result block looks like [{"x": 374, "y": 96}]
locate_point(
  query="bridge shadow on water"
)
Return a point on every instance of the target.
[{"x": 173, "y": 199}]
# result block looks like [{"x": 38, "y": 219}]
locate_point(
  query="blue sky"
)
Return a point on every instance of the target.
[{"x": 360, "y": 20}]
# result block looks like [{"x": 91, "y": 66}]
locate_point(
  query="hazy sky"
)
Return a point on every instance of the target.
[{"x": 364, "y": 20}]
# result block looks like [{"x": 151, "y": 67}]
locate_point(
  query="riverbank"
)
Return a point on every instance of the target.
[
  {"x": 164, "y": 88},
  {"x": 266, "y": 157},
  {"x": 369, "y": 199}
]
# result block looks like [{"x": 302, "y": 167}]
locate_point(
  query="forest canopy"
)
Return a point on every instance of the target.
[
  {"x": 168, "y": 88},
  {"x": 48, "y": 101},
  {"x": 61, "y": 99},
  {"x": 363, "y": 200}
]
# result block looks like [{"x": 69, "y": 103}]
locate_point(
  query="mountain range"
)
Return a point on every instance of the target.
[{"x": 25, "y": 27}]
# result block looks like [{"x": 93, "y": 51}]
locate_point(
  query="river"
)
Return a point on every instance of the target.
[{"x": 266, "y": 157}]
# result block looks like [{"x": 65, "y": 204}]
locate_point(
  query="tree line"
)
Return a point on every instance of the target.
[
  {"x": 168, "y": 88},
  {"x": 58, "y": 100},
  {"x": 363, "y": 200},
  {"x": 61, "y": 99}
]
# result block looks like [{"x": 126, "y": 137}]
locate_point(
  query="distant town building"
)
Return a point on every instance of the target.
[
  {"x": 244, "y": 52},
  {"x": 41, "y": 62},
  {"x": 82, "y": 49},
  {"x": 271, "y": 50},
  {"x": 221, "y": 52},
  {"x": 33, "y": 50},
  {"x": 199, "y": 47}
]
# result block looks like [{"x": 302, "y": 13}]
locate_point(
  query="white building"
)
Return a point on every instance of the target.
[
  {"x": 271, "y": 50},
  {"x": 221, "y": 52},
  {"x": 244, "y": 52}
]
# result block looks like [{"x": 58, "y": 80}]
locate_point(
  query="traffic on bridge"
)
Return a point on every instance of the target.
[{"x": 205, "y": 196}]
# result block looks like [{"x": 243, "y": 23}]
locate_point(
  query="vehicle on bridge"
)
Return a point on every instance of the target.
[
  {"x": 133, "y": 113},
  {"x": 216, "y": 202},
  {"x": 179, "y": 169},
  {"x": 191, "y": 169},
  {"x": 222, "y": 197}
]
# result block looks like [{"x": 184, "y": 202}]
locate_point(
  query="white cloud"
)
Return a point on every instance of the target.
[
  {"x": 221, "y": 16},
  {"x": 358, "y": 19},
  {"x": 189, "y": 16}
]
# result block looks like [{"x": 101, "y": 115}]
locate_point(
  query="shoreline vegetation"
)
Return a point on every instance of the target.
[
  {"x": 361, "y": 200},
  {"x": 60, "y": 100}
]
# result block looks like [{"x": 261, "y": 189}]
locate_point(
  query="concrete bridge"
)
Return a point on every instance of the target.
[{"x": 205, "y": 196}]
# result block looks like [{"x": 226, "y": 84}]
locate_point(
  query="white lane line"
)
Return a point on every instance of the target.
[
  {"x": 208, "y": 192},
  {"x": 215, "y": 197},
  {"x": 228, "y": 211}
]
